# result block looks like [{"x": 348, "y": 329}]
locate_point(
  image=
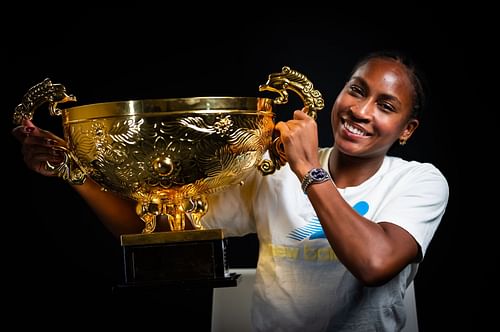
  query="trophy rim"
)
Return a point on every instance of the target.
[{"x": 170, "y": 106}]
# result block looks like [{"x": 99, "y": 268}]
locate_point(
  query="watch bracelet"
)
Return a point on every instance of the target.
[{"x": 308, "y": 180}]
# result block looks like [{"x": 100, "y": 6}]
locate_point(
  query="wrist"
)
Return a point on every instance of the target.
[{"x": 314, "y": 176}]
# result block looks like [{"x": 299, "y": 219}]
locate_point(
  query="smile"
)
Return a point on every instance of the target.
[{"x": 355, "y": 130}]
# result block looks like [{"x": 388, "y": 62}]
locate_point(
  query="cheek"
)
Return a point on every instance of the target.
[
  {"x": 389, "y": 128},
  {"x": 334, "y": 119}
]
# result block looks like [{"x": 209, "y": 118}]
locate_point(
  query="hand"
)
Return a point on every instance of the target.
[
  {"x": 38, "y": 147},
  {"x": 300, "y": 141}
]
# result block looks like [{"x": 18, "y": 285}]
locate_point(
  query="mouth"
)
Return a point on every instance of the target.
[{"x": 353, "y": 129}]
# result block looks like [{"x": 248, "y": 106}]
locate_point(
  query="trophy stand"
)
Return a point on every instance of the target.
[{"x": 175, "y": 272}]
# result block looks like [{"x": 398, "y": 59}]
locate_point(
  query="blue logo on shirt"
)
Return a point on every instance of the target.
[{"x": 313, "y": 229}]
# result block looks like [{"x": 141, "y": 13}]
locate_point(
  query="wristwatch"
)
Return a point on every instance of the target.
[{"x": 315, "y": 175}]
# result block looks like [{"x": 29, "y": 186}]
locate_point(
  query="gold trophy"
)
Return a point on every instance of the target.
[{"x": 168, "y": 155}]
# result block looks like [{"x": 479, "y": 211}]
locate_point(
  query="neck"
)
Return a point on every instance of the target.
[{"x": 349, "y": 171}]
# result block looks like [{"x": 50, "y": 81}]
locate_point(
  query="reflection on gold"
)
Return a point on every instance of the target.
[{"x": 169, "y": 154}]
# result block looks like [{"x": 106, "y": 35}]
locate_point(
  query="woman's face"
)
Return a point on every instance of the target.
[{"x": 373, "y": 109}]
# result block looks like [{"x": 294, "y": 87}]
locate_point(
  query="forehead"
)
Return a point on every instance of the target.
[{"x": 387, "y": 77}]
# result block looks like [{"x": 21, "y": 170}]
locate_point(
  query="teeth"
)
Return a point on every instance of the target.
[{"x": 354, "y": 130}]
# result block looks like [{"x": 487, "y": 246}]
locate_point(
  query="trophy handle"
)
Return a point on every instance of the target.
[
  {"x": 69, "y": 169},
  {"x": 312, "y": 99}
]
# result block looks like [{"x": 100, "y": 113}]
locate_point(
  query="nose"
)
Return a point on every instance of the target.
[{"x": 361, "y": 112}]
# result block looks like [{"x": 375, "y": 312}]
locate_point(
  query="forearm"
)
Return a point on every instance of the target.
[
  {"x": 373, "y": 252},
  {"x": 116, "y": 213}
]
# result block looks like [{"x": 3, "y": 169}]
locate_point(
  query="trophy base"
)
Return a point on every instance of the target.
[
  {"x": 165, "y": 257},
  {"x": 186, "y": 303},
  {"x": 173, "y": 275}
]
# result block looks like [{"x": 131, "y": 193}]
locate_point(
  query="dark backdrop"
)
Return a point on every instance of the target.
[{"x": 54, "y": 247}]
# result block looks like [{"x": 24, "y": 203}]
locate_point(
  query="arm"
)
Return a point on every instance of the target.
[
  {"x": 373, "y": 252},
  {"x": 116, "y": 213}
]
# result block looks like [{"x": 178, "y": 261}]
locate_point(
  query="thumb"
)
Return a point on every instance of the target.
[
  {"x": 29, "y": 126},
  {"x": 25, "y": 129},
  {"x": 300, "y": 115},
  {"x": 31, "y": 129}
]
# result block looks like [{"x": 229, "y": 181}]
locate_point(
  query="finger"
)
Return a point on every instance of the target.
[
  {"x": 20, "y": 133},
  {"x": 300, "y": 115},
  {"x": 36, "y": 159},
  {"x": 24, "y": 130},
  {"x": 282, "y": 128},
  {"x": 28, "y": 125},
  {"x": 32, "y": 141},
  {"x": 52, "y": 138},
  {"x": 28, "y": 128}
]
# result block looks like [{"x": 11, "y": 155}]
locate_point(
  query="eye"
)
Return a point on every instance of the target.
[
  {"x": 356, "y": 90},
  {"x": 387, "y": 107}
]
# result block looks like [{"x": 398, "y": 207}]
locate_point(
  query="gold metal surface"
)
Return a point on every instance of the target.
[
  {"x": 298, "y": 83},
  {"x": 171, "y": 237},
  {"x": 169, "y": 154}
]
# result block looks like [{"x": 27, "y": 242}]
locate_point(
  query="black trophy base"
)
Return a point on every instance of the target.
[
  {"x": 172, "y": 275},
  {"x": 162, "y": 257},
  {"x": 186, "y": 303}
]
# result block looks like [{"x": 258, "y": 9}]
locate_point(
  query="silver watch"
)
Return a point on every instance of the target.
[{"x": 315, "y": 175}]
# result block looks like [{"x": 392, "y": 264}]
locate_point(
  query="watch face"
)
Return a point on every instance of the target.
[
  {"x": 316, "y": 175},
  {"x": 319, "y": 174}
]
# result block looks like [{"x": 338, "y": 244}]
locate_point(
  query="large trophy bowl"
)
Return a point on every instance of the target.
[{"x": 169, "y": 154}]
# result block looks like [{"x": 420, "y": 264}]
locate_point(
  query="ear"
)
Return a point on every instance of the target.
[{"x": 408, "y": 130}]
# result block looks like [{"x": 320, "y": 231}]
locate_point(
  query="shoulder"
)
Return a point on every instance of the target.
[
  {"x": 414, "y": 173},
  {"x": 396, "y": 164}
]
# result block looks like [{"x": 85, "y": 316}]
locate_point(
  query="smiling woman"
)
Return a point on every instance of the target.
[
  {"x": 120, "y": 54},
  {"x": 377, "y": 108},
  {"x": 340, "y": 257},
  {"x": 354, "y": 243}
]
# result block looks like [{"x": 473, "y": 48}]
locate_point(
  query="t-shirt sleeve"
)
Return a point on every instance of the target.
[
  {"x": 418, "y": 203},
  {"x": 231, "y": 209}
]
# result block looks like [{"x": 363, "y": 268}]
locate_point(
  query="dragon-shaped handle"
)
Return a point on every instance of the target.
[
  {"x": 41, "y": 93},
  {"x": 312, "y": 99}
]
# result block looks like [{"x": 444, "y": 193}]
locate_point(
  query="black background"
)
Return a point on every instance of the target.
[{"x": 55, "y": 250}]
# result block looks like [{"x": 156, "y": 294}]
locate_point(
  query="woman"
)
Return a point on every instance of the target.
[{"x": 341, "y": 229}]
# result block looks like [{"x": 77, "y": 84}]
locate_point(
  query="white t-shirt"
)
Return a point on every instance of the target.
[{"x": 300, "y": 283}]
